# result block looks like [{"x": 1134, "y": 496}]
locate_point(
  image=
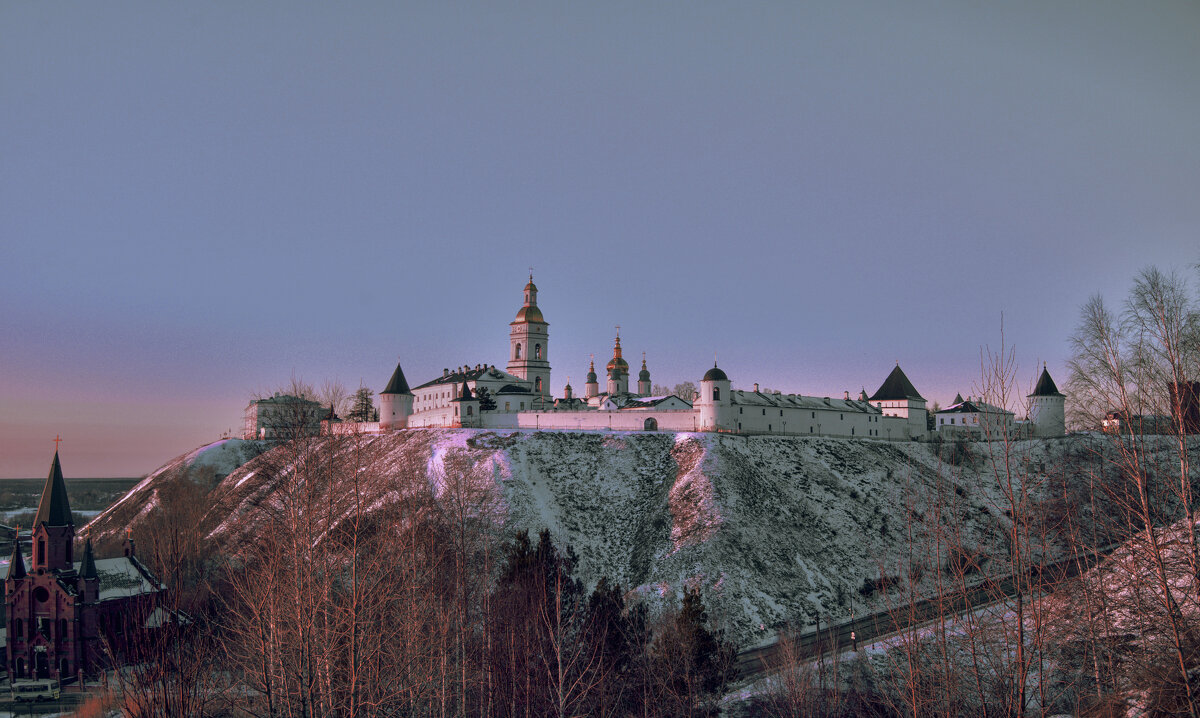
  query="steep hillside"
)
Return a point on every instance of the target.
[
  {"x": 772, "y": 529},
  {"x": 204, "y": 468}
]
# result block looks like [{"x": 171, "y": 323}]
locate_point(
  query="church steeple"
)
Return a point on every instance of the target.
[
  {"x": 644, "y": 378},
  {"x": 618, "y": 369},
  {"x": 16, "y": 565},
  {"x": 53, "y": 527},
  {"x": 54, "y": 509},
  {"x": 529, "y": 336},
  {"x": 591, "y": 387},
  {"x": 88, "y": 568}
]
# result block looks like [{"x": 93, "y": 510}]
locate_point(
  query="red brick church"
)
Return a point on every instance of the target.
[{"x": 62, "y": 613}]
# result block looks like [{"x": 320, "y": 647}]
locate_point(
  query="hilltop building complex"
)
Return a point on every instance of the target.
[{"x": 518, "y": 397}]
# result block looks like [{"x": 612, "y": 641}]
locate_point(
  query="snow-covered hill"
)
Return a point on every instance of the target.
[
  {"x": 204, "y": 467},
  {"x": 771, "y": 528}
]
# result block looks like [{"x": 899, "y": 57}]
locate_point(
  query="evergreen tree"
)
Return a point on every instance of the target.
[
  {"x": 486, "y": 402},
  {"x": 694, "y": 664},
  {"x": 363, "y": 408}
]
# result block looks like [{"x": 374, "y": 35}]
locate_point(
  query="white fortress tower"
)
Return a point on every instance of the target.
[
  {"x": 529, "y": 355},
  {"x": 713, "y": 404},
  {"x": 898, "y": 397},
  {"x": 1047, "y": 408},
  {"x": 395, "y": 403}
]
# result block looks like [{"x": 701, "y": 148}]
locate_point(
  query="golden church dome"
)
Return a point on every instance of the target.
[{"x": 529, "y": 314}]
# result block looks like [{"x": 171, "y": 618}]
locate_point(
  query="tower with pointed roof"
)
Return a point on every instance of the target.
[
  {"x": 529, "y": 340},
  {"x": 1047, "y": 407},
  {"x": 53, "y": 527},
  {"x": 466, "y": 407},
  {"x": 899, "y": 398},
  {"x": 395, "y": 402}
]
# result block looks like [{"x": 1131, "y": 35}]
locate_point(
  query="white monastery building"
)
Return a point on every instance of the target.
[{"x": 518, "y": 397}]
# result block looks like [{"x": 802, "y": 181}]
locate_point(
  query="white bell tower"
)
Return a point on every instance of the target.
[{"x": 529, "y": 339}]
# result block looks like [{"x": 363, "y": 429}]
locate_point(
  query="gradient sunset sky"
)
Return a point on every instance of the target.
[{"x": 201, "y": 200}]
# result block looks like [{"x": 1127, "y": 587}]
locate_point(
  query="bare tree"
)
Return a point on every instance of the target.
[{"x": 1126, "y": 366}]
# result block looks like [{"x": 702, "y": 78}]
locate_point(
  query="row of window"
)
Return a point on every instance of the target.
[
  {"x": 507, "y": 407},
  {"x": 841, "y": 417},
  {"x": 42, "y": 625},
  {"x": 811, "y": 430}
]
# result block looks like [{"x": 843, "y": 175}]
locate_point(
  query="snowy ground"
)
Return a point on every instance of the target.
[{"x": 773, "y": 530}]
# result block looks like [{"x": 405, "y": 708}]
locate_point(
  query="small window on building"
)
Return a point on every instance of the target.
[
  {"x": 852, "y": 431},
  {"x": 537, "y": 351},
  {"x": 62, "y": 628},
  {"x": 814, "y": 415},
  {"x": 764, "y": 412},
  {"x": 537, "y": 385},
  {"x": 507, "y": 406},
  {"x": 951, "y": 420},
  {"x": 517, "y": 351},
  {"x": 739, "y": 409},
  {"x": 522, "y": 406},
  {"x": 769, "y": 427},
  {"x": 717, "y": 395},
  {"x": 739, "y": 426},
  {"x": 470, "y": 411}
]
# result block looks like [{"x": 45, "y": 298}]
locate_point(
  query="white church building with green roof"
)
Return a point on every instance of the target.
[{"x": 518, "y": 397}]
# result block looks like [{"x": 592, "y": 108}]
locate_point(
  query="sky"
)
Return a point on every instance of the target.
[{"x": 199, "y": 201}]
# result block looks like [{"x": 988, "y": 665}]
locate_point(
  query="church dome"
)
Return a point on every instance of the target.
[
  {"x": 617, "y": 362},
  {"x": 644, "y": 374},
  {"x": 591, "y": 375},
  {"x": 715, "y": 374},
  {"x": 529, "y": 314}
]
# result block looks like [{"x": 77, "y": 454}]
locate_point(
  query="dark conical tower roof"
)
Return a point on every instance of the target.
[
  {"x": 1045, "y": 386},
  {"x": 88, "y": 568},
  {"x": 465, "y": 393},
  {"x": 896, "y": 386},
  {"x": 54, "y": 510},
  {"x": 398, "y": 384},
  {"x": 16, "y": 565}
]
